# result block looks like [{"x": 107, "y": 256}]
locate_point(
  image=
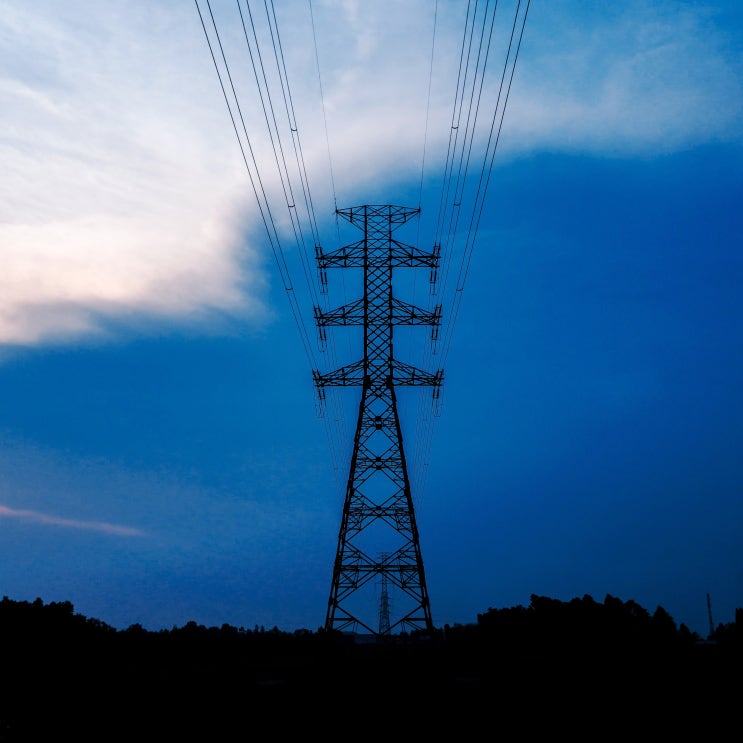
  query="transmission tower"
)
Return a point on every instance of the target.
[
  {"x": 384, "y": 608},
  {"x": 378, "y": 516},
  {"x": 709, "y": 614}
]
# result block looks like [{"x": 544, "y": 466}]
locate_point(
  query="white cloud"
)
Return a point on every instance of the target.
[
  {"x": 648, "y": 78},
  {"x": 121, "y": 191},
  {"x": 43, "y": 518},
  {"x": 124, "y": 193}
]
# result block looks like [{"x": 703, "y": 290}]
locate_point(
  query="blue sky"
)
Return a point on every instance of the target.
[{"x": 162, "y": 454}]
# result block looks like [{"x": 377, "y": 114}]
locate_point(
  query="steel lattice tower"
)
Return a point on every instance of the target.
[{"x": 378, "y": 516}]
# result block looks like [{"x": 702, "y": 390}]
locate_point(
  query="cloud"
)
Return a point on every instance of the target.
[
  {"x": 124, "y": 195},
  {"x": 42, "y": 518},
  {"x": 649, "y": 78},
  {"x": 119, "y": 196}
]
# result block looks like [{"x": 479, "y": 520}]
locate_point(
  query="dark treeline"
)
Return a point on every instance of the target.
[{"x": 551, "y": 661}]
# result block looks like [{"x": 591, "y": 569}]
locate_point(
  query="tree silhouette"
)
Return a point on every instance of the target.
[{"x": 63, "y": 671}]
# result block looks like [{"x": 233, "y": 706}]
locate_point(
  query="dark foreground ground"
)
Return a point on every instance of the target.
[{"x": 588, "y": 670}]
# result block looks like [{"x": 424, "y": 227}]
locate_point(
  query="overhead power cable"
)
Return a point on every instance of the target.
[
  {"x": 453, "y": 198},
  {"x": 485, "y": 173},
  {"x": 293, "y": 207},
  {"x": 259, "y": 191},
  {"x": 247, "y": 150}
]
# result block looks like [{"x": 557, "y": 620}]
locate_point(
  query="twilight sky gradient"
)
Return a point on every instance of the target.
[{"x": 162, "y": 456}]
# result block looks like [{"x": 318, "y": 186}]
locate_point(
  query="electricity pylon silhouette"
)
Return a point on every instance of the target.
[
  {"x": 384, "y": 607},
  {"x": 378, "y": 516}
]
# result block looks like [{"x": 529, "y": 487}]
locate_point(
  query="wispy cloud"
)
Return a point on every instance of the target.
[
  {"x": 43, "y": 518},
  {"x": 640, "y": 78},
  {"x": 124, "y": 194}
]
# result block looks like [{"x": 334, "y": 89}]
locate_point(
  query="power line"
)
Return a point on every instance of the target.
[
  {"x": 322, "y": 100},
  {"x": 269, "y": 115},
  {"x": 484, "y": 180},
  {"x": 283, "y": 170},
  {"x": 335, "y": 421},
  {"x": 424, "y": 432},
  {"x": 263, "y": 206}
]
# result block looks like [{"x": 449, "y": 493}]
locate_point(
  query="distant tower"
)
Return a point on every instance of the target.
[
  {"x": 384, "y": 606},
  {"x": 709, "y": 614},
  {"x": 378, "y": 515}
]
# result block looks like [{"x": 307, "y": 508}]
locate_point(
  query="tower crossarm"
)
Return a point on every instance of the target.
[
  {"x": 390, "y": 215},
  {"x": 349, "y": 314},
  {"x": 352, "y": 375},
  {"x": 395, "y": 254},
  {"x": 407, "y": 375},
  {"x": 403, "y": 313}
]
